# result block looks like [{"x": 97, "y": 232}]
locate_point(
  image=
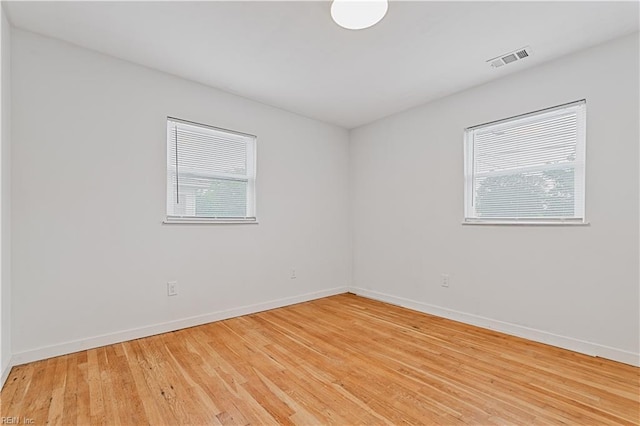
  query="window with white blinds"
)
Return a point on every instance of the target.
[
  {"x": 527, "y": 169},
  {"x": 211, "y": 174}
]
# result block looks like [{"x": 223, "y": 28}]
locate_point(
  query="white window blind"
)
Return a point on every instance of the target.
[
  {"x": 211, "y": 173},
  {"x": 527, "y": 169}
]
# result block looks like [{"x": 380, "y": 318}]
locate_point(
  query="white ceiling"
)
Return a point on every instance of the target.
[{"x": 291, "y": 54}]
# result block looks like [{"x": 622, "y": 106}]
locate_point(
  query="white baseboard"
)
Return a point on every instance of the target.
[
  {"x": 588, "y": 348},
  {"x": 137, "y": 333},
  {"x": 576, "y": 345},
  {"x": 5, "y": 372}
]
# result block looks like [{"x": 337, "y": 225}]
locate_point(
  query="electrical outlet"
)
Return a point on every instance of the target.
[
  {"x": 293, "y": 274},
  {"x": 172, "y": 288},
  {"x": 444, "y": 280}
]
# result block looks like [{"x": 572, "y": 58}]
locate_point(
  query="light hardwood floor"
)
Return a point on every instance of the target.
[{"x": 341, "y": 360}]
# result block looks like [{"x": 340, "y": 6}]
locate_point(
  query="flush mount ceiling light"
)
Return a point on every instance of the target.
[{"x": 358, "y": 14}]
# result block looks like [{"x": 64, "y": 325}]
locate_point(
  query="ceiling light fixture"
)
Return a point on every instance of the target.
[{"x": 358, "y": 14}]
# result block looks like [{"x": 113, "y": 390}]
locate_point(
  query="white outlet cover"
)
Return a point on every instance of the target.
[
  {"x": 172, "y": 288},
  {"x": 444, "y": 280}
]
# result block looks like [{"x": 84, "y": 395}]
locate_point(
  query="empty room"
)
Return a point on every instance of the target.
[{"x": 320, "y": 212}]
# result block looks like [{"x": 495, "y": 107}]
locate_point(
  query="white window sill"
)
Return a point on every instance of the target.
[
  {"x": 526, "y": 223},
  {"x": 203, "y": 221}
]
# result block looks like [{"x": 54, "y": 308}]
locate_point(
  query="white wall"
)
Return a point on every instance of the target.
[
  {"x": 572, "y": 286},
  {"x": 5, "y": 197},
  {"x": 91, "y": 256}
]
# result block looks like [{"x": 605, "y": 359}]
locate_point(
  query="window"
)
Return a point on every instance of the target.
[
  {"x": 527, "y": 169},
  {"x": 211, "y": 174}
]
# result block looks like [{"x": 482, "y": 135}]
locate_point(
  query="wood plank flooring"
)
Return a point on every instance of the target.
[{"x": 341, "y": 360}]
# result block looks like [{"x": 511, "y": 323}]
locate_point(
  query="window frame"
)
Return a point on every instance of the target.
[
  {"x": 251, "y": 183},
  {"x": 470, "y": 218}
]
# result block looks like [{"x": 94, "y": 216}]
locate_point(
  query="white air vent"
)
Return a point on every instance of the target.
[{"x": 510, "y": 57}]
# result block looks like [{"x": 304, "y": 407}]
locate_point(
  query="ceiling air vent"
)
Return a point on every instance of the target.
[{"x": 510, "y": 57}]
